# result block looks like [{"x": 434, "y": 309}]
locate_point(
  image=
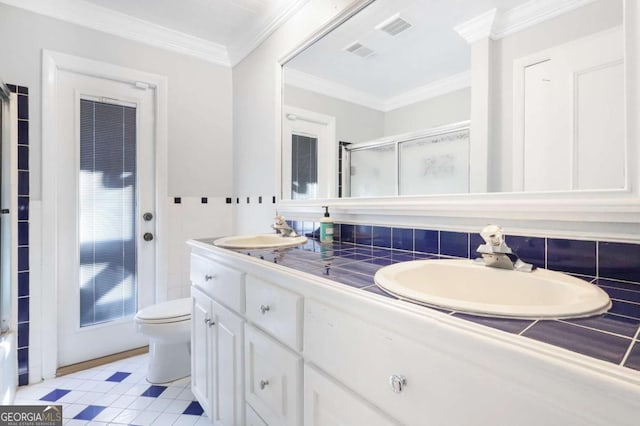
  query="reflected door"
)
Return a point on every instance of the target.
[{"x": 106, "y": 184}]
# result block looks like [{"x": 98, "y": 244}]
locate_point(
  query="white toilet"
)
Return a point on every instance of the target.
[{"x": 168, "y": 326}]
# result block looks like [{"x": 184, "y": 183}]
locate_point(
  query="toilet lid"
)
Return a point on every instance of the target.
[{"x": 172, "y": 311}]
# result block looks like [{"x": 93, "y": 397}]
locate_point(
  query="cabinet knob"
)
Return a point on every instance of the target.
[
  {"x": 264, "y": 309},
  {"x": 263, "y": 384},
  {"x": 210, "y": 277},
  {"x": 397, "y": 382},
  {"x": 209, "y": 322}
]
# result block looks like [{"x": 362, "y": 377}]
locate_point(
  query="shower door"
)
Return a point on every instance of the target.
[{"x": 106, "y": 215}]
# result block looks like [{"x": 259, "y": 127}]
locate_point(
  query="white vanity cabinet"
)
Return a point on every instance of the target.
[{"x": 278, "y": 347}]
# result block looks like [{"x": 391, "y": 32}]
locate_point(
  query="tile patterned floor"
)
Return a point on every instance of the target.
[{"x": 117, "y": 394}]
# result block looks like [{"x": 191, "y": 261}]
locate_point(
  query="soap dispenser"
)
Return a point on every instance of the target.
[{"x": 326, "y": 227}]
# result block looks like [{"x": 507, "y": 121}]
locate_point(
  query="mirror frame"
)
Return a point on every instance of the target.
[{"x": 601, "y": 214}]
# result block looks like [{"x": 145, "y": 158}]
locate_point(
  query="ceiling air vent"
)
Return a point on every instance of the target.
[
  {"x": 394, "y": 25},
  {"x": 359, "y": 49}
]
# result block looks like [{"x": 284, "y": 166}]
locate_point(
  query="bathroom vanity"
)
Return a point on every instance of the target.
[{"x": 275, "y": 341}]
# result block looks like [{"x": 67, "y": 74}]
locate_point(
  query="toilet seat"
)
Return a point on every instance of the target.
[{"x": 177, "y": 310}]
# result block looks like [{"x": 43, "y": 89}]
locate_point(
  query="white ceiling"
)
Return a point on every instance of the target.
[{"x": 429, "y": 51}]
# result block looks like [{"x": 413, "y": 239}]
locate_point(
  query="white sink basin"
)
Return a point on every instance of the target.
[
  {"x": 466, "y": 286},
  {"x": 259, "y": 241}
]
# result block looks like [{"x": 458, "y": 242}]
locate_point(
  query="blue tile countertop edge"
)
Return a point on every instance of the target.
[{"x": 613, "y": 337}]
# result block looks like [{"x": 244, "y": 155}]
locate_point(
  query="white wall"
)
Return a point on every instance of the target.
[
  {"x": 581, "y": 22},
  {"x": 255, "y": 92},
  {"x": 444, "y": 109},
  {"x": 200, "y": 95},
  {"x": 354, "y": 123}
]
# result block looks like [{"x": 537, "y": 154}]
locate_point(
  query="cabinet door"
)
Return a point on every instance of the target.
[
  {"x": 273, "y": 379},
  {"x": 328, "y": 403},
  {"x": 228, "y": 376},
  {"x": 201, "y": 354}
]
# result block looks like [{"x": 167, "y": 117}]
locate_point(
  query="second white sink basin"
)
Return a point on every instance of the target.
[
  {"x": 259, "y": 241},
  {"x": 466, "y": 286}
]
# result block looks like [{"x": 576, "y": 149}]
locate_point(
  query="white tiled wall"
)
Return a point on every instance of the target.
[{"x": 192, "y": 219}]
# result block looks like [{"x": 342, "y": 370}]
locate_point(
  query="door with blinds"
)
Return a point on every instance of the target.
[{"x": 105, "y": 215}]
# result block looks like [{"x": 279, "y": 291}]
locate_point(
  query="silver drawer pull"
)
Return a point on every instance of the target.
[
  {"x": 264, "y": 309},
  {"x": 397, "y": 383},
  {"x": 263, "y": 384},
  {"x": 210, "y": 277}
]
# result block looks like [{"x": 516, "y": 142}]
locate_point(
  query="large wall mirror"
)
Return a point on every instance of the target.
[{"x": 422, "y": 97}]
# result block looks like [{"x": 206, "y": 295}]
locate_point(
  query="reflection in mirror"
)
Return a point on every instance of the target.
[{"x": 539, "y": 84}]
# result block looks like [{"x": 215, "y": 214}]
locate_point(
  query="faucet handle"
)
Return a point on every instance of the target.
[{"x": 492, "y": 235}]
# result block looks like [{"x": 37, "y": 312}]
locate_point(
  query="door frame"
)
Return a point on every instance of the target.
[{"x": 52, "y": 63}]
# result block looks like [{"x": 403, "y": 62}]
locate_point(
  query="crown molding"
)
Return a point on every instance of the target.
[
  {"x": 496, "y": 25},
  {"x": 431, "y": 90},
  {"x": 532, "y": 13},
  {"x": 109, "y": 21},
  {"x": 478, "y": 27},
  {"x": 258, "y": 34},
  {"x": 112, "y": 22},
  {"x": 325, "y": 87}
]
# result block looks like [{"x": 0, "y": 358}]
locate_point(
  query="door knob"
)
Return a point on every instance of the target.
[
  {"x": 148, "y": 236},
  {"x": 397, "y": 382}
]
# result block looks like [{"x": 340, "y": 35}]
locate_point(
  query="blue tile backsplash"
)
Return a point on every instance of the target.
[
  {"x": 615, "y": 267},
  {"x": 23, "y": 232}
]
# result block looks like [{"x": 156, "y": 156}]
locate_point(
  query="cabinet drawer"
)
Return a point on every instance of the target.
[
  {"x": 275, "y": 310},
  {"x": 273, "y": 379},
  {"x": 224, "y": 284},
  {"x": 253, "y": 419}
]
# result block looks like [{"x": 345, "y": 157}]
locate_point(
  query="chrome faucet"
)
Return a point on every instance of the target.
[
  {"x": 495, "y": 252},
  {"x": 281, "y": 227}
]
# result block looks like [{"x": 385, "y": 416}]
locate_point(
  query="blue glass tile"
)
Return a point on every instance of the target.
[
  {"x": 578, "y": 257},
  {"x": 381, "y": 261},
  {"x": 347, "y": 233},
  {"x": 154, "y": 391},
  {"x": 23, "y": 208},
  {"x": 363, "y": 234},
  {"x": 627, "y": 309},
  {"x": 23, "y": 284},
  {"x": 194, "y": 409},
  {"x": 620, "y": 293},
  {"x": 23, "y": 133},
  {"x": 609, "y": 323},
  {"x": 23, "y": 233},
  {"x": 23, "y": 309},
  {"x": 55, "y": 395},
  {"x": 22, "y": 89},
  {"x": 377, "y": 290},
  {"x": 352, "y": 279},
  {"x": 90, "y": 412},
  {"x": 402, "y": 238},
  {"x": 515, "y": 326},
  {"x": 23, "y": 335},
  {"x": 381, "y": 236},
  {"x": 475, "y": 240},
  {"x": 23, "y": 107},
  {"x": 426, "y": 241},
  {"x": 23, "y": 183},
  {"x": 23, "y": 259},
  {"x": 23, "y": 360},
  {"x": 401, "y": 257},
  {"x": 365, "y": 268},
  {"x": 23, "y": 157},
  {"x": 619, "y": 261},
  {"x": 633, "y": 360},
  {"x": 529, "y": 249},
  {"x": 336, "y": 232},
  {"x": 454, "y": 243},
  {"x": 118, "y": 376},
  {"x": 588, "y": 342},
  {"x": 23, "y": 379}
]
